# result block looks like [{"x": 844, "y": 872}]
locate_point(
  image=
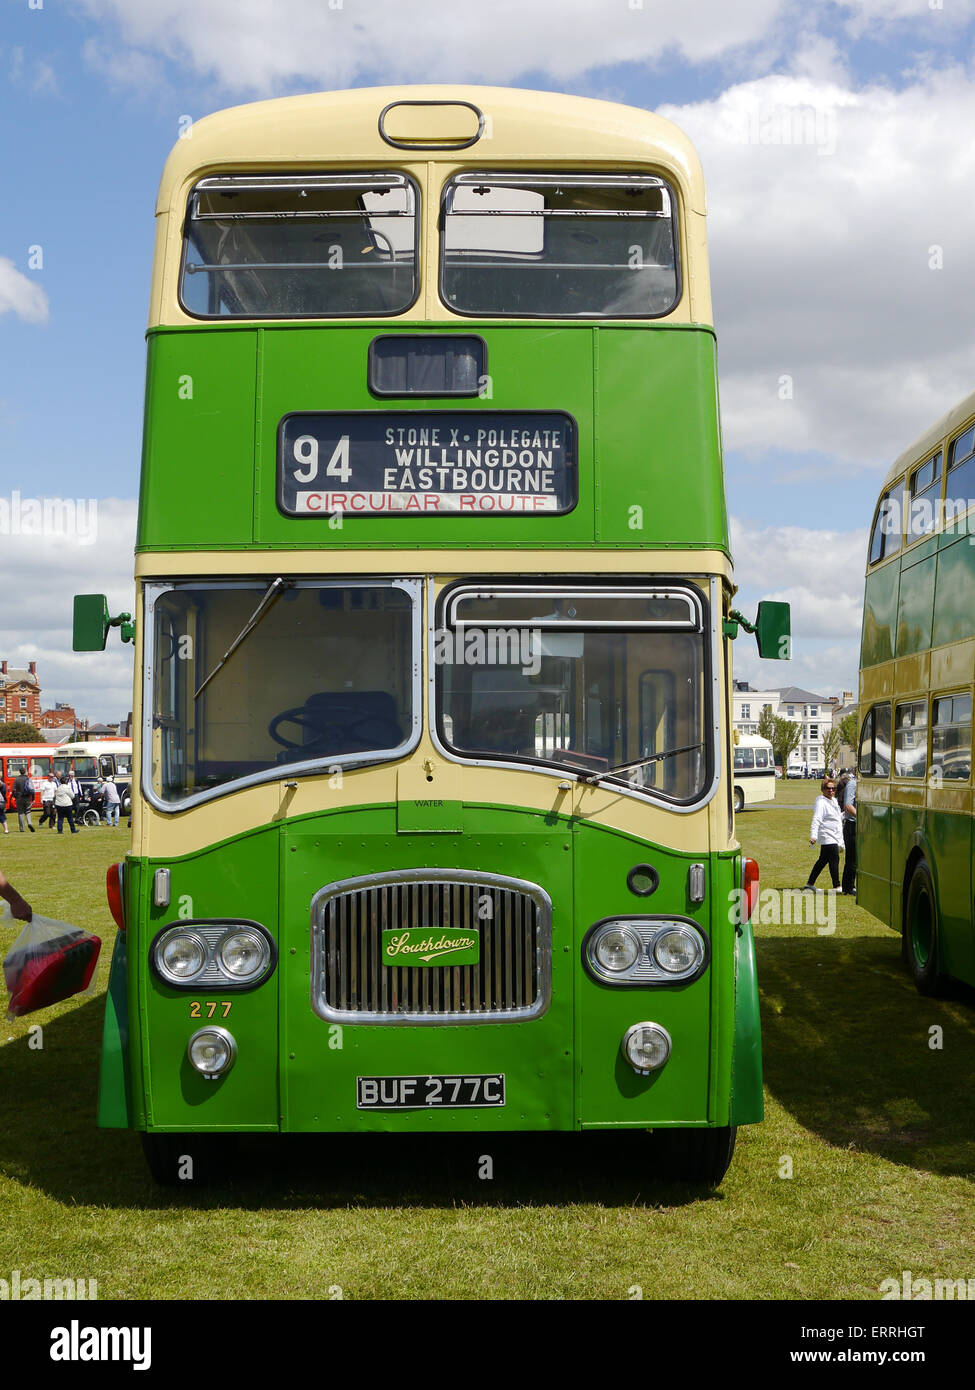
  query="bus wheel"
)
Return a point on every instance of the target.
[
  {"x": 739, "y": 800},
  {"x": 189, "y": 1160},
  {"x": 700, "y": 1156},
  {"x": 919, "y": 941}
]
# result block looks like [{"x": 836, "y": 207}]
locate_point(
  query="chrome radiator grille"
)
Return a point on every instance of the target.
[{"x": 511, "y": 919}]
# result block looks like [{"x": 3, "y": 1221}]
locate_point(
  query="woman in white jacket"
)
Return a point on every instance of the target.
[{"x": 826, "y": 831}]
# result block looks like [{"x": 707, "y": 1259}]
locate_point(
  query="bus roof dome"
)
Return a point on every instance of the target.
[{"x": 303, "y": 132}]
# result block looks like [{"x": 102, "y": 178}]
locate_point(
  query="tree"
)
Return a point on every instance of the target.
[
  {"x": 20, "y": 733},
  {"x": 786, "y": 735},
  {"x": 831, "y": 747},
  {"x": 849, "y": 730},
  {"x": 766, "y": 723}
]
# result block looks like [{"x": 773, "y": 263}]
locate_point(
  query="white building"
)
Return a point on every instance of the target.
[
  {"x": 747, "y": 704},
  {"x": 815, "y": 714}
]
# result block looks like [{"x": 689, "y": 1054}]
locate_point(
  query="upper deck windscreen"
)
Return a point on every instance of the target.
[
  {"x": 291, "y": 247},
  {"x": 559, "y": 246}
]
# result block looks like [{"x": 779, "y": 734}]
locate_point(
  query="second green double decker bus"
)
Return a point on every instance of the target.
[
  {"x": 434, "y": 827},
  {"x": 917, "y": 679}
]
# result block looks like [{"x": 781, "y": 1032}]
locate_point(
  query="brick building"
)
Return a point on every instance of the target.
[
  {"x": 20, "y": 694},
  {"x": 57, "y": 717}
]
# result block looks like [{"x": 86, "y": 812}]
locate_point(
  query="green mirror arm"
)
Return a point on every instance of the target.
[
  {"x": 125, "y": 624},
  {"x": 732, "y": 622}
]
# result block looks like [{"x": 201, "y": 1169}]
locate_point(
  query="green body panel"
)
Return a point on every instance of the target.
[
  {"x": 920, "y": 600},
  {"x": 747, "y": 1095},
  {"x": 873, "y": 859},
  {"x": 656, "y": 427},
  {"x": 954, "y": 612},
  {"x": 114, "y": 1110},
  {"x": 644, "y": 399},
  {"x": 879, "y": 615},
  {"x": 563, "y": 1070},
  {"x": 915, "y": 605},
  {"x": 889, "y": 838}
]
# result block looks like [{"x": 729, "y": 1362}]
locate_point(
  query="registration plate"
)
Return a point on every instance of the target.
[{"x": 429, "y": 1092}]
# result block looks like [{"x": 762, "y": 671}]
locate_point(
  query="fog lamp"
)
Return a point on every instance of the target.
[
  {"x": 212, "y": 1051},
  {"x": 646, "y": 1046}
]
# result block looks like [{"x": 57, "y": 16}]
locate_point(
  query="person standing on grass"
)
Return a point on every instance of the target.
[
  {"x": 826, "y": 831},
  {"x": 846, "y": 798},
  {"x": 18, "y": 906},
  {"x": 3, "y": 805},
  {"x": 24, "y": 799},
  {"x": 64, "y": 805},
  {"x": 111, "y": 801},
  {"x": 49, "y": 786}
]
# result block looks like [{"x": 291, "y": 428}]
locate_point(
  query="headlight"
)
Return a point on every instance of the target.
[
  {"x": 617, "y": 949},
  {"x": 180, "y": 956},
  {"x": 646, "y": 1046},
  {"x": 243, "y": 954},
  {"x": 679, "y": 950},
  {"x": 222, "y": 953},
  {"x": 641, "y": 951},
  {"x": 212, "y": 1051}
]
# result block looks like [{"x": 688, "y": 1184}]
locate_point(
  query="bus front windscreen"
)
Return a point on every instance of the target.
[
  {"x": 74, "y": 766},
  {"x": 249, "y": 679},
  {"x": 559, "y": 245},
  {"x": 608, "y": 683},
  {"x": 297, "y": 246}
]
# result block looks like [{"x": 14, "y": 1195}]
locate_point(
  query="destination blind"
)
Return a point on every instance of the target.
[{"x": 427, "y": 463}]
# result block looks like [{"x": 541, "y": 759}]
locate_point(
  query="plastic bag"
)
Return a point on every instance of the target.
[{"x": 48, "y": 962}]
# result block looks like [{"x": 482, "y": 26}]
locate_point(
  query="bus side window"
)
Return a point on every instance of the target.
[
  {"x": 866, "y": 746},
  {"x": 885, "y": 538},
  {"x": 911, "y": 741},
  {"x": 951, "y": 738},
  {"x": 106, "y": 765},
  {"x": 874, "y": 759}
]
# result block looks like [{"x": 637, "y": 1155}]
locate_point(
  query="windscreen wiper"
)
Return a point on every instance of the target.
[
  {"x": 274, "y": 592},
  {"x": 595, "y": 777}
]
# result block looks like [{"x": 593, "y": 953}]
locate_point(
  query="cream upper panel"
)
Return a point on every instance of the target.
[
  {"x": 334, "y": 130},
  {"x": 636, "y": 563},
  {"x": 950, "y": 424}
]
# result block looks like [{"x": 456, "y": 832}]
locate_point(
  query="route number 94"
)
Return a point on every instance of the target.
[{"x": 306, "y": 453}]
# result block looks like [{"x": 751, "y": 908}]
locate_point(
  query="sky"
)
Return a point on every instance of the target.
[{"x": 837, "y": 146}]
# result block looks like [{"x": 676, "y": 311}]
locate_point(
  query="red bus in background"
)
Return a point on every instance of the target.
[{"x": 33, "y": 758}]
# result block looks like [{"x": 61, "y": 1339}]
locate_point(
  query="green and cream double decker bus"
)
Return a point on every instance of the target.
[
  {"x": 434, "y": 828},
  {"x": 917, "y": 671}
]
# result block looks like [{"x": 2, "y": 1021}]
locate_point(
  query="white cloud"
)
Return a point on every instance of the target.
[
  {"x": 827, "y": 207},
  {"x": 39, "y": 576},
  {"x": 820, "y": 574},
  {"x": 261, "y": 45},
  {"x": 21, "y": 295}
]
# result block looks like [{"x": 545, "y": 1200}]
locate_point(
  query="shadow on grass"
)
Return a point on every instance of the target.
[
  {"x": 848, "y": 1051},
  {"x": 49, "y": 1140}
]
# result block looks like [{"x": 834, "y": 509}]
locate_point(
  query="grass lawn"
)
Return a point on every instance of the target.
[{"x": 877, "y": 1128}]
